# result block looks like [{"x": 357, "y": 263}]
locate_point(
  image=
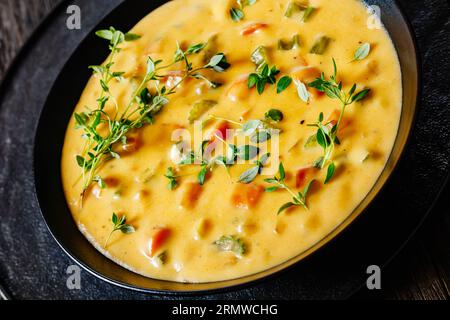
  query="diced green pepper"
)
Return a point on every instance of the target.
[{"x": 199, "y": 108}]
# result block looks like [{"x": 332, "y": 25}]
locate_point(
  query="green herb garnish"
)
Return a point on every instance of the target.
[
  {"x": 274, "y": 115},
  {"x": 119, "y": 224},
  {"x": 173, "y": 178},
  {"x": 326, "y": 135},
  {"x": 362, "y": 52},
  {"x": 250, "y": 174},
  {"x": 330, "y": 172},
  {"x": 283, "y": 83},
  {"x": 298, "y": 199},
  {"x": 140, "y": 109},
  {"x": 247, "y": 152},
  {"x": 263, "y": 77}
]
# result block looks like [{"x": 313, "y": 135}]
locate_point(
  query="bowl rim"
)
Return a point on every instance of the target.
[{"x": 263, "y": 275}]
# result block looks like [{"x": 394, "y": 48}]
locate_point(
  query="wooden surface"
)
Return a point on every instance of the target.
[{"x": 421, "y": 271}]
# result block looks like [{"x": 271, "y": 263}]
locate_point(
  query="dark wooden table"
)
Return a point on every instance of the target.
[{"x": 420, "y": 271}]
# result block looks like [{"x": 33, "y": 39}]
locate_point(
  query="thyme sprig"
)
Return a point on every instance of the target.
[
  {"x": 119, "y": 225},
  {"x": 144, "y": 103},
  {"x": 172, "y": 177},
  {"x": 298, "y": 199},
  {"x": 326, "y": 135},
  {"x": 264, "y": 75}
]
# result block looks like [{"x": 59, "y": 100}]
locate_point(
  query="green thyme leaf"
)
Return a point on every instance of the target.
[
  {"x": 249, "y": 175},
  {"x": 330, "y": 172},
  {"x": 247, "y": 152},
  {"x": 119, "y": 224},
  {"x": 131, "y": 37},
  {"x": 218, "y": 63},
  {"x": 250, "y": 127},
  {"x": 274, "y": 115},
  {"x": 362, "y": 52},
  {"x": 173, "y": 178},
  {"x": 104, "y": 34},
  {"x": 260, "y": 136},
  {"x": 202, "y": 174},
  {"x": 283, "y": 83},
  {"x": 311, "y": 141},
  {"x": 360, "y": 95},
  {"x": 285, "y": 207},
  {"x": 193, "y": 49}
]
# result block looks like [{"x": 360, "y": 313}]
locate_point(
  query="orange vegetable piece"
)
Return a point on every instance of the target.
[
  {"x": 253, "y": 28},
  {"x": 158, "y": 239},
  {"x": 303, "y": 176},
  {"x": 191, "y": 195},
  {"x": 246, "y": 195}
]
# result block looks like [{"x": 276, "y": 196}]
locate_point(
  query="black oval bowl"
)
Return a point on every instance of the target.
[{"x": 64, "y": 96}]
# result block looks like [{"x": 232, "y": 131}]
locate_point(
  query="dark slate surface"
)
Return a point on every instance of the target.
[{"x": 33, "y": 266}]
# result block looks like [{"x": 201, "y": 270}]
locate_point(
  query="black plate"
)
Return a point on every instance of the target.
[
  {"x": 334, "y": 271},
  {"x": 53, "y": 122}
]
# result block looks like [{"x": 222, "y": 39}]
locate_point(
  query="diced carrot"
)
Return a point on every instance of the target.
[
  {"x": 304, "y": 175},
  {"x": 158, "y": 239},
  {"x": 253, "y": 28},
  {"x": 202, "y": 228},
  {"x": 191, "y": 195},
  {"x": 246, "y": 195}
]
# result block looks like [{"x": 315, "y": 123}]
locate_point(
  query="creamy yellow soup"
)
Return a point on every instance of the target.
[{"x": 176, "y": 228}]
